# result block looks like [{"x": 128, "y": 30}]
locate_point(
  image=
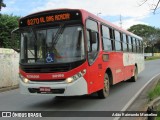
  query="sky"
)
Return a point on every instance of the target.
[{"x": 131, "y": 11}]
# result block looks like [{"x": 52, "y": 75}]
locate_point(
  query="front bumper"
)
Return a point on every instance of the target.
[{"x": 78, "y": 87}]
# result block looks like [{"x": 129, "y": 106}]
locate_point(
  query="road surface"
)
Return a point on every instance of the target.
[{"x": 120, "y": 94}]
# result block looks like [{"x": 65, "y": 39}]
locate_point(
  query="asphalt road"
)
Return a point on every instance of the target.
[{"x": 120, "y": 94}]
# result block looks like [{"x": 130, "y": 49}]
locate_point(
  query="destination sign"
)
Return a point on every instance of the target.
[{"x": 45, "y": 18}]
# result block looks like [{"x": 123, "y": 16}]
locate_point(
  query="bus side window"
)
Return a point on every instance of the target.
[
  {"x": 107, "y": 42},
  {"x": 134, "y": 44},
  {"x": 121, "y": 41},
  {"x": 125, "y": 44},
  {"x": 111, "y": 31},
  {"x": 117, "y": 41},
  {"x": 92, "y": 40},
  {"x": 130, "y": 43}
]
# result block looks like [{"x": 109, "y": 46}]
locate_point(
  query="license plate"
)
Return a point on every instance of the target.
[{"x": 45, "y": 89}]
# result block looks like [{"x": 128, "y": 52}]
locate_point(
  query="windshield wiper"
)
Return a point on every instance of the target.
[{"x": 57, "y": 35}]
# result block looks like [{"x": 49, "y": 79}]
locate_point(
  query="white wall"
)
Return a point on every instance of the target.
[{"x": 9, "y": 62}]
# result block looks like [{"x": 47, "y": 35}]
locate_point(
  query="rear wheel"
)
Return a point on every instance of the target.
[
  {"x": 103, "y": 93},
  {"x": 134, "y": 78}
]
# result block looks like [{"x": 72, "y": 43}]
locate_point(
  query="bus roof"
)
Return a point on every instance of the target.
[
  {"x": 105, "y": 22},
  {"x": 86, "y": 14}
]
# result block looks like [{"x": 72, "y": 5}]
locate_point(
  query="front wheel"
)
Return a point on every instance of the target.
[{"x": 103, "y": 93}]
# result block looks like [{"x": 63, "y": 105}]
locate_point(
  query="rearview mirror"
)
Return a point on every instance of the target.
[
  {"x": 15, "y": 40},
  {"x": 93, "y": 37}
]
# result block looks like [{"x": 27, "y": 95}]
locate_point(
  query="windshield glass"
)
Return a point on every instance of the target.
[{"x": 52, "y": 45}]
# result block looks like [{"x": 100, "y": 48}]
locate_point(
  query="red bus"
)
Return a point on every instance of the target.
[{"x": 67, "y": 52}]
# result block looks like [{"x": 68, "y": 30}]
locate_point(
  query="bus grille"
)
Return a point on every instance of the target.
[{"x": 45, "y": 69}]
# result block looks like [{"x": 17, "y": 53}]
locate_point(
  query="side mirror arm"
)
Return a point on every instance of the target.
[{"x": 12, "y": 40}]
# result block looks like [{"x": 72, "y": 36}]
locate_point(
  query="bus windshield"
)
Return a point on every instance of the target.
[{"x": 52, "y": 45}]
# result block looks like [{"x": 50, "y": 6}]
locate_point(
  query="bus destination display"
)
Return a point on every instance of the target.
[
  {"x": 46, "y": 19},
  {"x": 49, "y": 18}
]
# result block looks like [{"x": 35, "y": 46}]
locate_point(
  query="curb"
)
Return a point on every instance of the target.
[
  {"x": 155, "y": 102},
  {"x": 136, "y": 96},
  {"x": 151, "y": 107},
  {"x": 3, "y": 89}
]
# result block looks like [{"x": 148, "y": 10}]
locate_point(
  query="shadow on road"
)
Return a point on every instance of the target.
[
  {"x": 66, "y": 103},
  {"x": 85, "y": 102}
]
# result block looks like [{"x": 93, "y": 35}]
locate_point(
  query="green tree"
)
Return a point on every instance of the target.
[
  {"x": 2, "y": 4},
  {"x": 142, "y": 30},
  {"x": 7, "y": 24},
  {"x": 149, "y": 34}
]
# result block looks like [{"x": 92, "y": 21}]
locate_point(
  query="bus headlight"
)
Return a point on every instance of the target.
[
  {"x": 25, "y": 80},
  {"x": 69, "y": 80},
  {"x": 76, "y": 76}
]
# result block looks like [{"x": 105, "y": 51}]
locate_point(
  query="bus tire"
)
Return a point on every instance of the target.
[
  {"x": 103, "y": 93},
  {"x": 134, "y": 78}
]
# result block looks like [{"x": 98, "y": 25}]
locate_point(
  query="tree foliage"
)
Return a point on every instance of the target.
[
  {"x": 7, "y": 24},
  {"x": 142, "y": 30},
  {"x": 2, "y": 4},
  {"x": 150, "y": 35}
]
